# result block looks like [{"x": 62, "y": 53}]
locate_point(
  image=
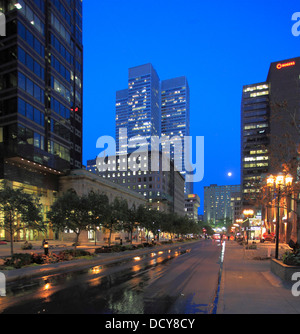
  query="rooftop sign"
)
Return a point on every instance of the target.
[{"x": 280, "y": 66}]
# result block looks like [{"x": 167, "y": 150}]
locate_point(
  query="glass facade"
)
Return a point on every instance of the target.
[
  {"x": 141, "y": 116},
  {"x": 41, "y": 82},
  {"x": 175, "y": 120},
  {"x": 255, "y": 137},
  {"x": 150, "y": 107},
  {"x": 41, "y": 72},
  {"x": 270, "y": 132}
]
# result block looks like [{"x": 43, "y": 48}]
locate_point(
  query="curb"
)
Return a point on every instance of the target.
[{"x": 81, "y": 264}]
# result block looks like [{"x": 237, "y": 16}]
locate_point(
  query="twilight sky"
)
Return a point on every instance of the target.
[{"x": 218, "y": 45}]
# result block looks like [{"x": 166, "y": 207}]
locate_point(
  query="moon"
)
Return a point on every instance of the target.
[{"x": 229, "y": 174}]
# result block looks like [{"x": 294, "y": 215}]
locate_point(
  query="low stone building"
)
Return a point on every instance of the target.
[{"x": 83, "y": 182}]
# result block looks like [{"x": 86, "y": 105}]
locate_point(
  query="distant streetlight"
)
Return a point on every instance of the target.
[{"x": 277, "y": 182}]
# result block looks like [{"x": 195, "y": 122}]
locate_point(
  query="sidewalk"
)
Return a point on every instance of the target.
[
  {"x": 80, "y": 264},
  {"x": 54, "y": 246},
  {"x": 249, "y": 287}
]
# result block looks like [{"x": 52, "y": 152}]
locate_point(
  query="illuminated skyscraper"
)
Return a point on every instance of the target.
[
  {"x": 41, "y": 75},
  {"x": 255, "y": 136},
  {"x": 153, "y": 108},
  {"x": 270, "y": 126},
  {"x": 141, "y": 115},
  {"x": 175, "y": 118}
]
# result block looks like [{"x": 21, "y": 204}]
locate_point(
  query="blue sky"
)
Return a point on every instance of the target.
[{"x": 218, "y": 45}]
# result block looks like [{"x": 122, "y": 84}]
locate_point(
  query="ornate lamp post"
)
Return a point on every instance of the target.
[{"x": 278, "y": 183}]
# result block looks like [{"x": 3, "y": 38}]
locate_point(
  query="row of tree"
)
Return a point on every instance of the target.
[
  {"x": 93, "y": 211},
  {"x": 19, "y": 211}
]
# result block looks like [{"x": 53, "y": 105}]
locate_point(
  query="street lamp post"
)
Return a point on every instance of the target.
[{"x": 276, "y": 182}]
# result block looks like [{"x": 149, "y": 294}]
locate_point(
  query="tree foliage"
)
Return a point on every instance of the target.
[
  {"x": 19, "y": 211},
  {"x": 94, "y": 210}
]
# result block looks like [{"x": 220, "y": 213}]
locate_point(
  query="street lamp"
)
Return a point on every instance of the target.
[
  {"x": 248, "y": 213},
  {"x": 276, "y": 182}
]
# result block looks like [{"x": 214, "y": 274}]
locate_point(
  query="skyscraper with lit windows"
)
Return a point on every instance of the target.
[
  {"x": 138, "y": 107},
  {"x": 255, "y": 137},
  {"x": 150, "y": 107},
  {"x": 175, "y": 119},
  {"x": 41, "y": 75},
  {"x": 269, "y": 129}
]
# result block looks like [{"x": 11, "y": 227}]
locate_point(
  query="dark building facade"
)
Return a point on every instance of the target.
[
  {"x": 270, "y": 125},
  {"x": 41, "y": 75},
  {"x": 255, "y": 137}
]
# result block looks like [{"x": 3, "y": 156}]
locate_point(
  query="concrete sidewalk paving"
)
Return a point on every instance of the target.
[
  {"x": 30, "y": 272},
  {"x": 249, "y": 287}
]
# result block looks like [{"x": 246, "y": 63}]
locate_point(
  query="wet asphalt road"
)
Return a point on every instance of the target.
[{"x": 178, "y": 281}]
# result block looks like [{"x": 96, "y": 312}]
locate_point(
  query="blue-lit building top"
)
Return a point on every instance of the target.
[
  {"x": 150, "y": 107},
  {"x": 141, "y": 115}
]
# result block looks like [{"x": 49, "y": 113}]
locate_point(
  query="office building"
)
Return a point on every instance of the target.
[
  {"x": 192, "y": 204},
  {"x": 150, "y": 107},
  {"x": 255, "y": 137},
  {"x": 41, "y": 72},
  {"x": 236, "y": 206},
  {"x": 175, "y": 120},
  {"x": 217, "y": 203},
  {"x": 138, "y": 108},
  {"x": 163, "y": 190},
  {"x": 270, "y": 131}
]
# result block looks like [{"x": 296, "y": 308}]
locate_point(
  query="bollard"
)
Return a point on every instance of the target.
[{"x": 46, "y": 248}]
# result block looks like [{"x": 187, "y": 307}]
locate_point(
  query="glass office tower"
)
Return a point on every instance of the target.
[
  {"x": 269, "y": 130},
  {"x": 141, "y": 116},
  {"x": 150, "y": 107},
  {"x": 41, "y": 72},
  {"x": 255, "y": 137},
  {"x": 175, "y": 119}
]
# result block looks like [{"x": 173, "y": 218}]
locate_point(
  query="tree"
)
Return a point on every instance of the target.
[
  {"x": 98, "y": 210},
  {"x": 130, "y": 220},
  {"x": 117, "y": 213},
  {"x": 144, "y": 217},
  {"x": 19, "y": 210},
  {"x": 70, "y": 211}
]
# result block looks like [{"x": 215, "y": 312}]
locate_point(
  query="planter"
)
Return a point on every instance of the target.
[{"x": 283, "y": 271}]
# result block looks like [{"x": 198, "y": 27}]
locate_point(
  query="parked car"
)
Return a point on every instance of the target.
[{"x": 268, "y": 237}]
